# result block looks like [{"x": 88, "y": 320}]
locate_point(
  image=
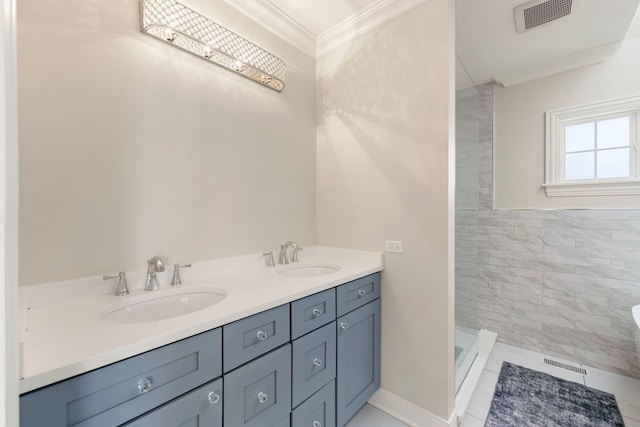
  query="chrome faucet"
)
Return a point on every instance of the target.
[
  {"x": 154, "y": 265},
  {"x": 284, "y": 259},
  {"x": 176, "y": 281},
  {"x": 122, "y": 288}
]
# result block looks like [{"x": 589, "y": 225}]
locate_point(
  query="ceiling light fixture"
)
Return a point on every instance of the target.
[{"x": 182, "y": 27}]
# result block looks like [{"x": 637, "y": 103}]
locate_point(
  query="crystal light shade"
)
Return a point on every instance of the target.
[{"x": 180, "y": 26}]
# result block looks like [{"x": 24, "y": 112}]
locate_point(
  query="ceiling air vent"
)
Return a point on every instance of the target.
[{"x": 540, "y": 12}]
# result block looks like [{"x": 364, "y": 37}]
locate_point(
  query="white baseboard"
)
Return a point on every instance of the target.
[
  {"x": 486, "y": 340},
  {"x": 407, "y": 412}
]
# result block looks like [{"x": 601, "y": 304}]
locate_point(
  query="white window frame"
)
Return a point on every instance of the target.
[{"x": 555, "y": 122}]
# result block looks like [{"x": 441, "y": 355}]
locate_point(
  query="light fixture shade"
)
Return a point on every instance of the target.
[{"x": 178, "y": 25}]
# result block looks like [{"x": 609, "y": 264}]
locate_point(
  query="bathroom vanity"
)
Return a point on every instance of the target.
[{"x": 313, "y": 361}]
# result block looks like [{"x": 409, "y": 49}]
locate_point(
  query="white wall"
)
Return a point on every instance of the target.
[
  {"x": 383, "y": 174},
  {"x": 8, "y": 218},
  {"x": 131, "y": 148},
  {"x": 519, "y": 128}
]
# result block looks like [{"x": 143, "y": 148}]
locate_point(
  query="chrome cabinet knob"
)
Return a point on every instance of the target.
[
  {"x": 317, "y": 362},
  {"x": 344, "y": 325},
  {"x": 262, "y": 335},
  {"x": 317, "y": 423},
  {"x": 362, "y": 292},
  {"x": 263, "y": 397},
  {"x": 144, "y": 385},
  {"x": 214, "y": 397},
  {"x": 316, "y": 312}
]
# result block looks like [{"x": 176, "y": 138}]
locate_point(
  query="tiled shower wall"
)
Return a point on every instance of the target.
[{"x": 561, "y": 282}]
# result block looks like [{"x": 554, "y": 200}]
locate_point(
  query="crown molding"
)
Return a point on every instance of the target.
[
  {"x": 274, "y": 19},
  {"x": 367, "y": 19},
  {"x": 571, "y": 62},
  {"x": 270, "y": 16}
]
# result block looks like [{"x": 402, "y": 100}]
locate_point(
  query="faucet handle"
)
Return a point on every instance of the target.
[
  {"x": 294, "y": 257},
  {"x": 176, "y": 274},
  {"x": 270, "y": 261},
  {"x": 122, "y": 288}
]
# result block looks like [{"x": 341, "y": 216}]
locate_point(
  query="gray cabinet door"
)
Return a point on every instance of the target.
[
  {"x": 120, "y": 392},
  {"x": 285, "y": 422},
  {"x": 259, "y": 393},
  {"x": 314, "y": 362},
  {"x": 319, "y": 410},
  {"x": 199, "y": 408},
  {"x": 253, "y": 336},
  {"x": 357, "y": 293},
  {"x": 358, "y": 376}
]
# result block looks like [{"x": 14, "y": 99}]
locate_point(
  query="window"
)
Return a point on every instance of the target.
[{"x": 593, "y": 150}]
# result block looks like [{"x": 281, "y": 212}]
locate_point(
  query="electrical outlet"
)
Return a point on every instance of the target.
[{"x": 394, "y": 246}]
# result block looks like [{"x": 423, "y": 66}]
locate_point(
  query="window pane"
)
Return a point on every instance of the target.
[
  {"x": 579, "y": 137},
  {"x": 614, "y": 163},
  {"x": 613, "y": 133},
  {"x": 579, "y": 166}
]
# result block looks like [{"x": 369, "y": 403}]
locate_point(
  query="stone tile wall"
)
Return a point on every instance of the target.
[{"x": 561, "y": 282}]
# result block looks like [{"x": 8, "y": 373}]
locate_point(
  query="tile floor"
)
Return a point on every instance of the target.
[
  {"x": 369, "y": 416},
  {"x": 626, "y": 390}
]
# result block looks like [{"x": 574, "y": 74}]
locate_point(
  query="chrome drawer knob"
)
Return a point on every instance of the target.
[
  {"x": 262, "y": 335},
  {"x": 214, "y": 397},
  {"x": 317, "y": 424},
  {"x": 362, "y": 292},
  {"x": 144, "y": 385},
  {"x": 316, "y": 312},
  {"x": 317, "y": 362},
  {"x": 263, "y": 397},
  {"x": 344, "y": 325}
]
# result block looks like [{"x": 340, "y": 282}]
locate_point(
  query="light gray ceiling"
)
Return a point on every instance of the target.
[
  {"x": 320, "y": 16},
  {"x": 489, "y": 47}
]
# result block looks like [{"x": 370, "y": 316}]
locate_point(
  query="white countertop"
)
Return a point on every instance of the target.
[{"x": 63, "y": 335}]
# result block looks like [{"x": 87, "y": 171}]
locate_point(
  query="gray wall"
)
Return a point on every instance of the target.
[
  {"x": 383, "y": 162},
  {"x": 131, "y": 148},
  {"x": 520, "y": 131},
  {"x": 558, "y": 281}
]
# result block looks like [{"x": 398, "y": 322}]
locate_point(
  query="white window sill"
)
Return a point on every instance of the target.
[{"x": 609, "y": 188}]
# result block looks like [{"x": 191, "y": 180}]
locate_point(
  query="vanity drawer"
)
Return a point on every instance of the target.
[
  {"x": 259, "y": 393},
  {"x": 357, "y": 293},
  {"x": 199, "y": 408},
  {"x": 312, "y": 312},
  {"x": 314, "y": 362},
  {"x": 124, "y": 390},
  {"x": 253, "y": 336},
  {"x": 319, "y": 410}
]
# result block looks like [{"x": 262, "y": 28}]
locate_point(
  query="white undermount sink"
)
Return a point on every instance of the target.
[
  {"x": 308, "y": 269},
  {"x": 162, "y": 304}
]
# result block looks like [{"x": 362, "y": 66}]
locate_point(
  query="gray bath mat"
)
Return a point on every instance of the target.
[{"x": 525, "y": 397}]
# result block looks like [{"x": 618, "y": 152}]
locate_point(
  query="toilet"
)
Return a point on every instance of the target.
[{"x": 636, "y": 316}]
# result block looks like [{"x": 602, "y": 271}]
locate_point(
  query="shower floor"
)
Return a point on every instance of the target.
[
  {"x": 465, "y": 338},
  {"x": 458, "y": 351},
  {"x": 466, "y": 350}
]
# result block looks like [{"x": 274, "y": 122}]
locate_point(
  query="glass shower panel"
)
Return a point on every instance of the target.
[{"x": 466, "y": 217}]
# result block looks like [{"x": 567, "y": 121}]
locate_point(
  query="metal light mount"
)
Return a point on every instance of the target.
[{"x": 182, "y": 27}]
